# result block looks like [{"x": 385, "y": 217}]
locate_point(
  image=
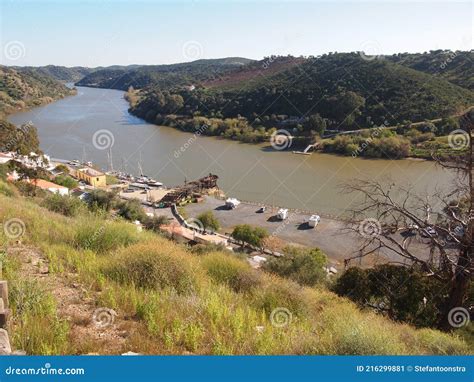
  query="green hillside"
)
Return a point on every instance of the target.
[
  {"x": 454, "y": 66},
  {"x": 160, "y": 297},
  {"x": 345, "y": 89},
  {"x": 161, "y": 75},
  {"x": 25, "y": 88}
]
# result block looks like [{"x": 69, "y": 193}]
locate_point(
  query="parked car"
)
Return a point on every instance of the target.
[
  {"x": 282, "y": 214},
  {"x": 261, "y": 210},
  {"x": 314, "y": 220}
]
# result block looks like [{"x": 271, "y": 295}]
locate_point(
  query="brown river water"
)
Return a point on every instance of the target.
[{"x": 256, "y": 173}]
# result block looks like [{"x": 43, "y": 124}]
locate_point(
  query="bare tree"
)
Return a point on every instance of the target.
[{"x": 433, "y": 233}]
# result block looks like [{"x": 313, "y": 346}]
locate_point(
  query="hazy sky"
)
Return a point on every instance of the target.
[{"x": 107, "y": 32}]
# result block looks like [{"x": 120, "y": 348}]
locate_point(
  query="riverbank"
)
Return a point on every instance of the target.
[{"x": 254, "y": 172}]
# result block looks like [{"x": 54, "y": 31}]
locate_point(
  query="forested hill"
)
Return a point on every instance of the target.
[
  {"x": 162, "y": 75},
  {"x": 24, "y": 88},
  {"x": 60, "y": 73},
  {"x": 345, "y": 89},
  {"x": 454, "y": 66}
]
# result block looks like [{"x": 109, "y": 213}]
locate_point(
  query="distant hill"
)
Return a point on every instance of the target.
[
  {"x": 60, "y": 73},
  {"x": 346, "y": 89},
  {"x": 162, "y": 75},
  {"x": 26, "y": 88},
  {"x": 454, "y": 66}
]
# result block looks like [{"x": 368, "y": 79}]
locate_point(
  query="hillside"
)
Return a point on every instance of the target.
[
  {"x": 162, "y": 75},
  {"x": 60, "y": 73},
  {"x": 345, "y": 89},
  {"x": 90, "y": 283},
  {"x": 25, "y": 88},
  {"x": 456, "y": 67}
]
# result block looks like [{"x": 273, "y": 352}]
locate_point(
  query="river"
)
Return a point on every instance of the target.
[{"x": 249, "y": 172}]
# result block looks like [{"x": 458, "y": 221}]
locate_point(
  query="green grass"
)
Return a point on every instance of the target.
[{"x": 174, "y": 301}]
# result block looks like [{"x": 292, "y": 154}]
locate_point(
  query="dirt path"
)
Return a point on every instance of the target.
[{"x": 92, "y": 329}]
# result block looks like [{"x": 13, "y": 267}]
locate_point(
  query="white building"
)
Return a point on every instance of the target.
[{"x": 50, "y": 186}]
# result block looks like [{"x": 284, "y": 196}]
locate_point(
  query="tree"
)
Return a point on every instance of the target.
[
  {"x": 402, "y": 293},
  {"x": 303, "y": 265},
  {"x": 209, "y": 221},
  {"x": 22, "y": 140},
  {"x": 445, "y": 219},
  {"x": 316, "y": 123},
  {"x": 245, "y": 233}
]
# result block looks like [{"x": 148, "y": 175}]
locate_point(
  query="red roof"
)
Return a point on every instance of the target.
[{"x": 45, "y": 185}]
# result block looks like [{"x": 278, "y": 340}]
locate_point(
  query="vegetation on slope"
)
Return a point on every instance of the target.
[
  {"x": 25, "y": 88},
  {"x": 59, "y": 73},
  {"x": 170, "y": 301},
  {"x": 454, "y": 66},
  {"x": 161, "y": 75},
  {"x": 334, "y": 92}
]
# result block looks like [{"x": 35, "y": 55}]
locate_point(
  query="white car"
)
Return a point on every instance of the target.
[
  {"x": 314, "y": 220},
  {"x": 282, "y": 214}
]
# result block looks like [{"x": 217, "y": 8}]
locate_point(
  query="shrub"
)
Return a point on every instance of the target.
[
  {"x": 154, "y": 223},
  {"x": 305, "y": 266},
  {"x": 100, "y": 199},
  {"x": 278, "y": 293},
  {"x": 66, "y": 205},
  {"x": 396, "y": 291},
  {"x": 154, "y": 266},
  {"x": 6, "y": 190},
  {"x": 235, "y": 273},
  {"x": 131, "y": 210},
  {"x": 105, "y": 236},
  {"x": 66, "y": 181},
  {"x": 37, "y": 329}
]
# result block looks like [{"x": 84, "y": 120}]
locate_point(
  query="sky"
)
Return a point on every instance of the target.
[{"x": 107, "y": 32}]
